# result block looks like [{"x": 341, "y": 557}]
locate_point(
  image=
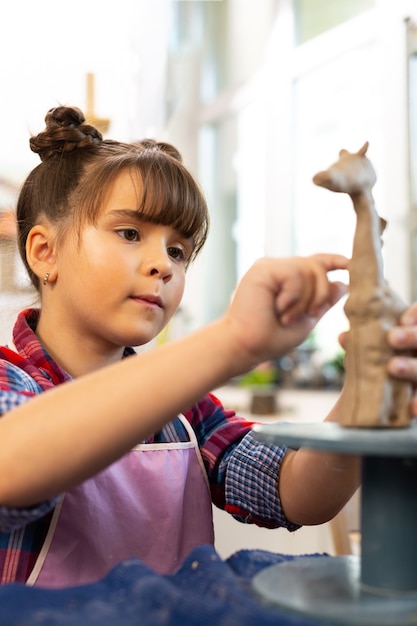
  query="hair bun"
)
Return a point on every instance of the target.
[
  {"x": 65, "y": 131},
  {"x": 161, "y": 146},
  {"x": 64, "y": 116}
]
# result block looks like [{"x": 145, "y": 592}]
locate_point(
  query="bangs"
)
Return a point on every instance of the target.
[
  {"x": 171, "y": 197},
  {"x": 167, "y": 192}
]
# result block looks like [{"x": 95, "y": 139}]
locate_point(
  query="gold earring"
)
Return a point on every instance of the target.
[{"x": 45, "y": 278}]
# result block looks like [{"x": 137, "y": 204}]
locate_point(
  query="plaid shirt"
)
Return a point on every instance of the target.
[{"x": 242, "y": 472}]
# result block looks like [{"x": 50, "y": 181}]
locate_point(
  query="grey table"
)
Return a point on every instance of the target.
[{"x": 379, "y": 587}]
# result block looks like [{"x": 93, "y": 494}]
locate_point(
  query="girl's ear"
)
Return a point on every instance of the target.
[{"x": 40, "y": 252}]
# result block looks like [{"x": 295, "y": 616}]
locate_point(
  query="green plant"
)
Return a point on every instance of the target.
[{"x": 259, "y": 377}]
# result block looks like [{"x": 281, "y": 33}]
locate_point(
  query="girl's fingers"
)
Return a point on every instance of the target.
[
  {"x": 403, "y": 367},
  {"x": 332, "y": 262},
  {"x": 409, "y": 317},
  {"x": 294, "y": 296},
  {"x": 311, "y": 294},
  {"x": 343, "y": 339},
  {"x": 403, "y": 337},
  {"x": 413, "y": 407}
]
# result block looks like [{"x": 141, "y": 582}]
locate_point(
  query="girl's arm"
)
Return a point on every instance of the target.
[
  {"x": 315, "y": 485},
  {"x": 66, "y": 435}
]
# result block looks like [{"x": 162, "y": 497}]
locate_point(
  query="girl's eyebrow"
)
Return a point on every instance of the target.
[
  {"x": 137, "y": 216},
  {"x": 127, "y": 214}
]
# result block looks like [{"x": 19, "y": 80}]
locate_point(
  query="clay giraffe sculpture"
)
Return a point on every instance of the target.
[{"x": 373, "y": 398}]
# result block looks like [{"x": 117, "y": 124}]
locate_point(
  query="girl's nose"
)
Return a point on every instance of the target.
[{"x": 159, "y": 264}]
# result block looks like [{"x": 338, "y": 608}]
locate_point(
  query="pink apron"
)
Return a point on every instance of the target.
[{"x": 153, "y": 504}]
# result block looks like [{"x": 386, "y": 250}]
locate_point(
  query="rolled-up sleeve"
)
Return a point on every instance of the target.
[
  {"x": 251, "y": 484},
  {"x": 243, "y": 473},
  {"x": 13, "y": 518}
]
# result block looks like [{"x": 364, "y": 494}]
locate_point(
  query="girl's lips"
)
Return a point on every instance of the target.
[{"x": 149, "y": 299}]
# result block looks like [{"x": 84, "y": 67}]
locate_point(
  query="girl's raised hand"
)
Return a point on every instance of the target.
[{"x": 279, "y": 301}]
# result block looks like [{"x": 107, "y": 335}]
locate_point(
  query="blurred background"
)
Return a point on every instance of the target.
[{"x": 258, "y": 95}]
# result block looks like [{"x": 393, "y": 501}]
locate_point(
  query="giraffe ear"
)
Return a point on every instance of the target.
[
  {"x": 382, "y": 225},
  {"x": 364, "y": 148}
]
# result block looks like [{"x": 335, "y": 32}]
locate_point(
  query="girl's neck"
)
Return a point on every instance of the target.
[{"x": 76, "y": 355}]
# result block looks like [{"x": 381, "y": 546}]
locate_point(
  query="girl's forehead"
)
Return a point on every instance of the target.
[
  {"x": 125, "y": 190},
  {"x": 127, "y": 194},
  {"x": 127, "y": 181}
]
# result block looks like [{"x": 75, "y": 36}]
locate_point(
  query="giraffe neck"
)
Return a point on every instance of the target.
[{"x": 366, "y": 265}]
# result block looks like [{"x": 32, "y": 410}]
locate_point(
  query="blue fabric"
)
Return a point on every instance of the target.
[{"x": 205, "y": 591}]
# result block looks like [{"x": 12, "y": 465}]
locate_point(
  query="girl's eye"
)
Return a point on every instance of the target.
[
  {"x": 130, "y": 234},
  {"x": 177, "y": 253}
]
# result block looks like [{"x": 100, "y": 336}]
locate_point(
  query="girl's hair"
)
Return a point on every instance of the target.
[{"x": 78, "y": 168}]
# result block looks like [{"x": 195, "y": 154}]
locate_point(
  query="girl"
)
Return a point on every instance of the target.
[{"x": 125, "y": 452}]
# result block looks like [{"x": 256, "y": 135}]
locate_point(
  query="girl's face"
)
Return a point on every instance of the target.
[{"x": 123, "y": 280}]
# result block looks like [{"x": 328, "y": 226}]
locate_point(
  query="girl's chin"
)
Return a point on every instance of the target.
[{"x": 142, "y": 341}]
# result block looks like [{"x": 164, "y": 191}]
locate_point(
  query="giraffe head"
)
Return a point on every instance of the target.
[{"x": 352, "y": 173}]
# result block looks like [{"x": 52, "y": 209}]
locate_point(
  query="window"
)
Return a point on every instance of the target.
[{"x": 313, "y": 18}]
